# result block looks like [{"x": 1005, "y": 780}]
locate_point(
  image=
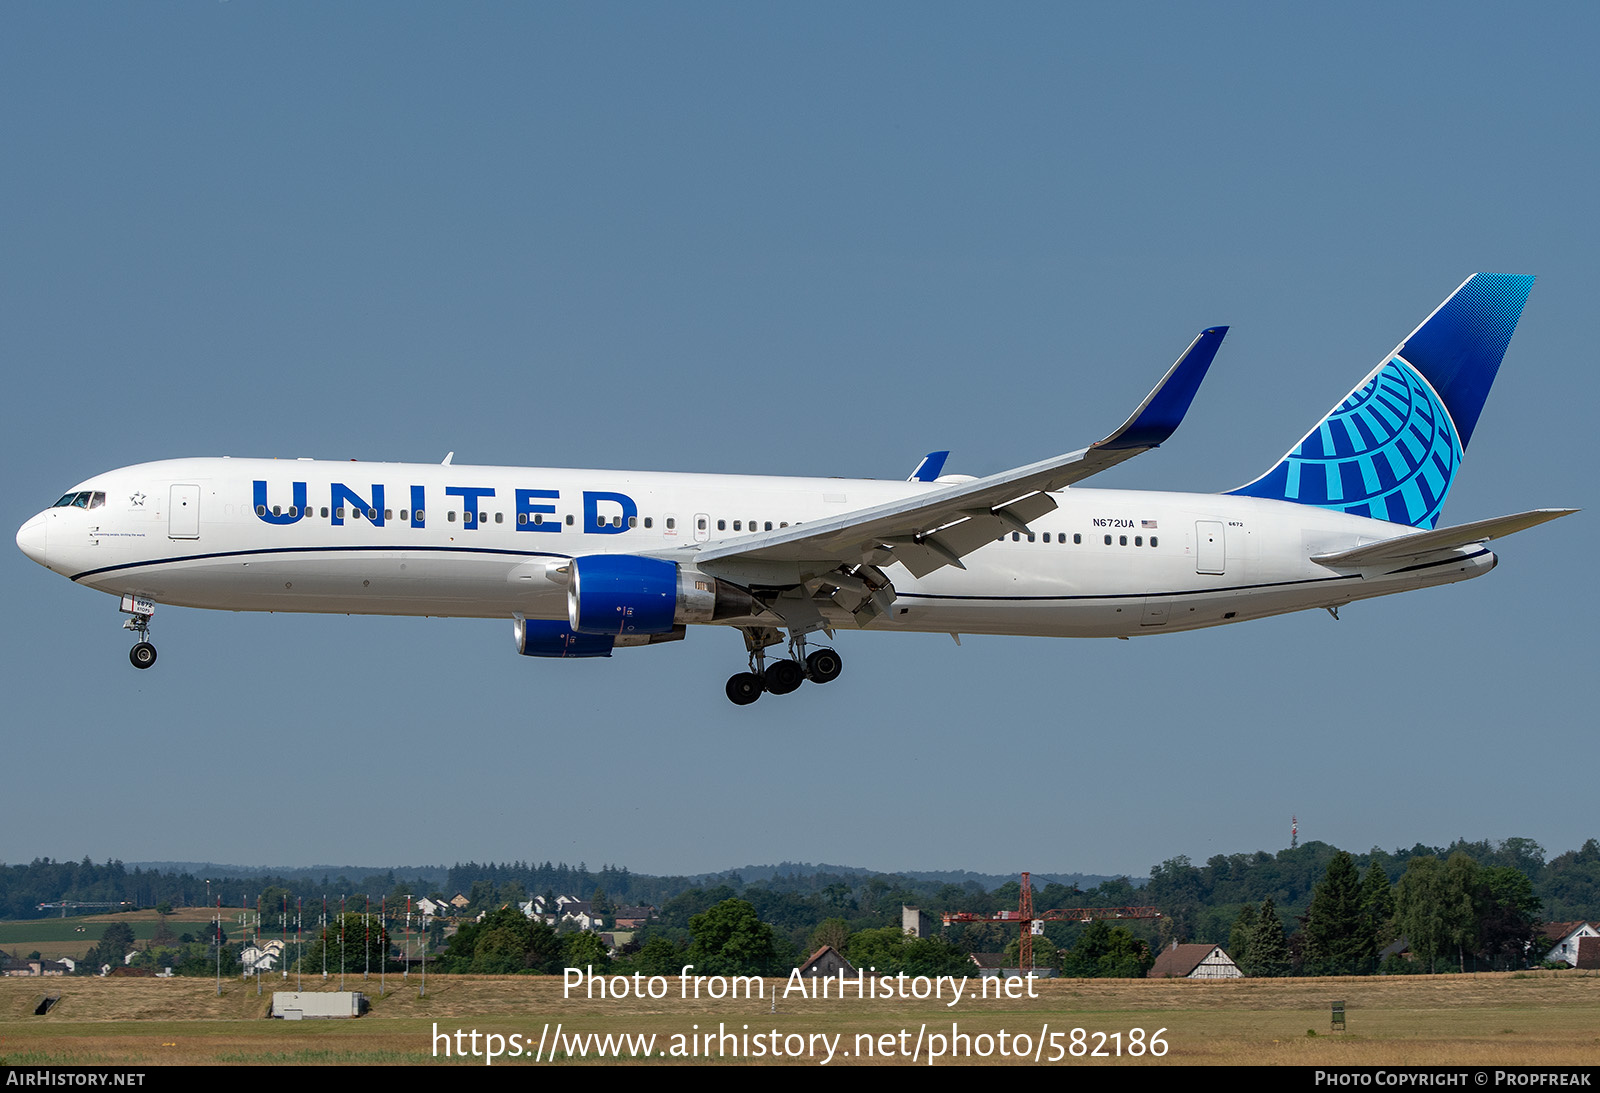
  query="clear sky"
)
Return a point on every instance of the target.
[{"x": 818, "y": 239}]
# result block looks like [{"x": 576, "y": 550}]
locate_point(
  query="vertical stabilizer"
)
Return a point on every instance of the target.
[{"x": 1392, "y": 448}]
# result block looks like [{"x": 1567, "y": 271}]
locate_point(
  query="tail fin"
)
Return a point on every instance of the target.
[{"x": 1391, "y": 449}]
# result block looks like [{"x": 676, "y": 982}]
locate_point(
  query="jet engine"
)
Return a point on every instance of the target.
[{"x": 623, "y": 595}]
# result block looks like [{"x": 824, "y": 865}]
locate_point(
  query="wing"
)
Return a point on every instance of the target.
[
  {"x": 1407, "y": 548},
  {"x": 937, "y": 528}
]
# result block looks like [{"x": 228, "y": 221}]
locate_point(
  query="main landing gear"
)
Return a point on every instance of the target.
[
  {"x": 143, "y": 654},
  {"x": 781, "y": 676}
]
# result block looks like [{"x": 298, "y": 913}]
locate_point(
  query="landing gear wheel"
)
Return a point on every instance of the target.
[
  {"x": 744, "y": 688},
  {"x": 783, "y": 676},
  {"x": 142, "y": 655},
  {"x": 824, "y": 666}
]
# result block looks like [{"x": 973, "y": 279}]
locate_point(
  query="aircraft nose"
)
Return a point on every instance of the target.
[{"x": 34, "y": 539}]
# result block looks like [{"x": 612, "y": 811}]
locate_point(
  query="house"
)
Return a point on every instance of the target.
[
  {"x": 1198, "y": 961},
  {"x": 1566, "y": 939},
  {"x": 631, "y": 918},
  {"x": 826, "y": 961},
  {"x": 261, "y": 958}
]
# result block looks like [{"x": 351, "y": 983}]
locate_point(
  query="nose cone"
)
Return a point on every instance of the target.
[{"x": 33, "y": 539}]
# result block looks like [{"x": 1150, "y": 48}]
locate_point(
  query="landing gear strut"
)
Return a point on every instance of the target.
[
  {"x": 143, "y": 654},
  {"x": 781, "y": 676}
]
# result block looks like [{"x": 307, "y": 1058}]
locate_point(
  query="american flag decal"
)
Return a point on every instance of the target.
[{"x": 1147, "y": 523}]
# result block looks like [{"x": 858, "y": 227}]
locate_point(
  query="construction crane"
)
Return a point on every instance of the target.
[{"x": 1030, "y": 923}]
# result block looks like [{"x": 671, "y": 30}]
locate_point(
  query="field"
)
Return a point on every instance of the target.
[
  {"x": 76, "y": 935},
  {"x": 1550, "y": 1018}
]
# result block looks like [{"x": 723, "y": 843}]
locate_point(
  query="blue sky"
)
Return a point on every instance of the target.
[{"x": 820, "y": 240}]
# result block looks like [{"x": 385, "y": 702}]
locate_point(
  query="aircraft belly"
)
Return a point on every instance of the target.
[{"x": 400, "y": 583}]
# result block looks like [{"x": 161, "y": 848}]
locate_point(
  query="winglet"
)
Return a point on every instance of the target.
[
  {"x": 1159, "y": 415},
  {"x": 930, "y": 468}
]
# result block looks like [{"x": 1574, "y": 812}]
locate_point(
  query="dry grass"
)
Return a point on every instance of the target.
[{"x": 1505, "y": 1018}]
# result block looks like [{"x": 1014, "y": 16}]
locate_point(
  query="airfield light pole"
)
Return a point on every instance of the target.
[
  {"x": 366, "y": 937},
  {"x": 407, "y": 973},
  {"x": 283, "y": 931},
  {"x": 341, "y": 940},
  {"x": 219, "y": 940},
  {"x": 299, "y": 938},
  {"x": 324, "y": 937},
  {"x": 383, "y": 925}
]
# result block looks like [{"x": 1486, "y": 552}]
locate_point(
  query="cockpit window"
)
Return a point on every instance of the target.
[{"x": 82, "y": 499}]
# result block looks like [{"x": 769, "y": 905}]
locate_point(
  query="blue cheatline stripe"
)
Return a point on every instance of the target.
[{"x": 317, "y": 550}]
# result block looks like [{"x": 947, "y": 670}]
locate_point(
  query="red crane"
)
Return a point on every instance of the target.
[{"x": 1026, "y": 918}]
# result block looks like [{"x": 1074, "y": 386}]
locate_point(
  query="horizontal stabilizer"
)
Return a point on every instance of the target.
[{"x": 1406, "y": 547}]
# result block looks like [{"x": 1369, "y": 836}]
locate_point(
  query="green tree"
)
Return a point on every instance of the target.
[
  {"x": 832, "y": 931},
  {"x": 1107, "y": 952},
  {"x": 1269, "y": 949},
  {"x": 1377, "y": 900},
  {"x": 585, "y": 950},
  {"x": 730, "y": 939},
  {"x": 1241, "y": 936},
  {"x": 1338, "y": 930}
]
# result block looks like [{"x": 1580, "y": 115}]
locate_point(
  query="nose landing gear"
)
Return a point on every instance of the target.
[{"x": 143, "y": 654}]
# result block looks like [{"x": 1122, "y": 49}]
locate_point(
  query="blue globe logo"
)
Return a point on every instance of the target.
[{"x": 1389, "y": 451}]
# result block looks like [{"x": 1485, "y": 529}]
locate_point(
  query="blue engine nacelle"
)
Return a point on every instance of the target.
[
  {"x": 550, "y": 638},
  {"x": 628, "y": 596},
  {"x": 621, "y": 594}
]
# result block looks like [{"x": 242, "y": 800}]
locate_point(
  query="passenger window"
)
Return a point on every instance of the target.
[
  {"x": 569, "y": 519},
  {"x": 1152, "y": 540},
  {"x": 1047, "y": 536},
  {"x": 451, "y": 516},
  {"x": 293, "y": 511},
  {"x": 701, "y": 523},
  {"x": 261, "y": 510},
  {"x": 388, "y": 514},
  {"x": 483, "y": 517},
  {"x": 1138, "y": 540},
  {"x": 1077, "y": 537},
  {"x": 1122, "y": 540},
  {"x": 402, "y": 514},
  {"x": 649, "y": 522},
  {"x": 499, "y": 517},
  {"x": 1030, "y": 536},
  {"x": 372, "y": 514},
  {"x": 1016, "y": 537},
  {"x": 1108, "y": 540},
  {"x": 338, "y": 513},
  {"x": 737, "y": 525},
  {"x": 633, "y": 521},
  {"x": 324, "y": 511},
  {"x": 616, "y": 521},
  {"x": 768, "y": 526},
  {"x": 522, "y": 518},
  {"x": 722, "y": 525},
  {"x": 418, "y": 515}
]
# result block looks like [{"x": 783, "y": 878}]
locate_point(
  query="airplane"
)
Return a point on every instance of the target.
[{"x": 584, "y": 562}]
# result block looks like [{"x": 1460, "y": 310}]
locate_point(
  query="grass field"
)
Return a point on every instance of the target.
[
  {"x": 77, "y": 934},
  {"x": 1550, "y": 1018}
]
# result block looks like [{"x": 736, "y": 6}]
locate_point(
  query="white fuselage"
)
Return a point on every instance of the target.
[{"x": 1105, "y": 563}]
